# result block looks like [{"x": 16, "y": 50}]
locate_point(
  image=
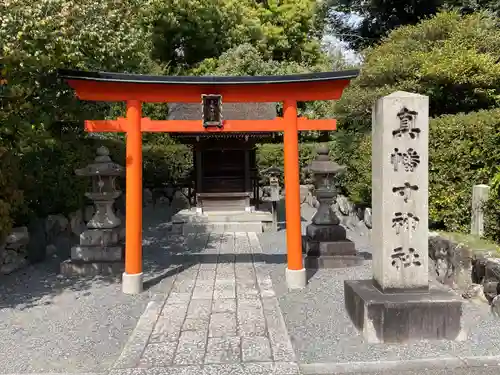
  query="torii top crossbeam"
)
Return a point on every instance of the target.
[
  {"x": 103, "y": 86},
  {"x": 210, "y": 90}
]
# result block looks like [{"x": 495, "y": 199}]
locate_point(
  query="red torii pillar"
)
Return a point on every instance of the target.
[
  {"x": 132, "y": 278},
  {"x": 135, "y": 89},
  {"x": 295, "y": 272}
]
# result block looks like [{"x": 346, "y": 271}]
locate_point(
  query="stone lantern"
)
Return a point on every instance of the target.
[
  {"x": 273, "y": 192},
  {"x": 326, "y": 243},
  {"x": 100, "y": 251}
]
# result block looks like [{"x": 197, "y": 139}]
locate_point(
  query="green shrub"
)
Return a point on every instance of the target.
[
  {"x": 463, "y": 151},
  {"x": 47, "y": 168},
  {"x": 492, "y": 222},
  {"x": 11, "y": 196},
  {"x": 449, "y": 57},
  {"x": 271, "y": 155},
  {"x": 166, "y": 164},
  {"x": 49, "y": 182},
  {"x": 354, "y": 152}
]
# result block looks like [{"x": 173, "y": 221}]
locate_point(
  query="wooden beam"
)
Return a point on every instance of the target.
[
  {"x": 196, "y": 126},
  {"x": 158, "y": 93}
]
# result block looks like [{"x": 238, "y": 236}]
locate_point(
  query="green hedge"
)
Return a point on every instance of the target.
[
  {"x": 11, "y": 195},
  {"x": 464, "y": 150},
  {"x": 271, "y": 155},
  {"x": 40, "y": 180},
  {"x": 45, "y": 171},
  {"x": 492, "y": 222}
]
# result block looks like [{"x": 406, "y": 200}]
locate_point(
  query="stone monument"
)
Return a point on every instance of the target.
[
  {"x": 480, "y": 195},
  {"x": 100, "y": 251},
  {"x": 398, "y": 305},
  {"x": 326, "y": 243},
  {"x": 273, "y": 193}
]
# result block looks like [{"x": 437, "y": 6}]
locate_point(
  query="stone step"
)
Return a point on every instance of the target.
[
  {"x": 97, "y": 253},
  {"x": 190, "y": 216},
  {"x": 222, "y": 227},
  {"x": 79, "y": 268}
]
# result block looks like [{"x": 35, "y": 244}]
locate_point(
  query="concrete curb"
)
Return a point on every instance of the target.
[
  {"x": 437, "y": 363},
  {"x": 56, "y": 373}
]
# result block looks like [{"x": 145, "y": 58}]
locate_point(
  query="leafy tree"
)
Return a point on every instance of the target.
[
  {"x": 454, "y": 60},
  {"x": 247, "y": 60},
  {"x": 185, "y": 32},
  {"x": 38, "y": 37},
  {"x": 451, "y": 58},
  {"x": 379, "y": 17}
]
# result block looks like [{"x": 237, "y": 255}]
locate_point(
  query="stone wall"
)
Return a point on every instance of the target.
[
  {"x": 42, "y": 238},
  {"x": 472, "y": 272},
  {"x": 351, "y": 215}
]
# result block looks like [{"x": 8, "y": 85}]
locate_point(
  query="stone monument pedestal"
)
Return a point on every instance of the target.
[
  {"x": 403, "y": 317},
  {"x": 327, "y": 246},
  {"x": 99, "y": 253}
]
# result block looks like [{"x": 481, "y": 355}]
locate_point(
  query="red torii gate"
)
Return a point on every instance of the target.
[{"x": 135, "y": 89}]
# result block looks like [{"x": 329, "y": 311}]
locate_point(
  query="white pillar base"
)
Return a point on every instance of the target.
[
  {"x": 296, "y": 279},
  {"x": 132, "y": 283}
]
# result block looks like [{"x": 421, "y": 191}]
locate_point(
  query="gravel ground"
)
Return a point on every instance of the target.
[
  {"x": 53, "y": 324},
  {"x": 321, "y": 331}
]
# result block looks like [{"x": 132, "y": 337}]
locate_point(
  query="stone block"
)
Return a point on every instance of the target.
[
  {"x": 222, "y": 325},
  {"x": 224, "y": 306},
  {"x": 492, "y": 269},
  {"x": 199, "y": 309},
  {"x": 335, "y": 254},
  {"x": 80, "y": 268},
  {"x": 256, "y": 349},
  {"x": 223, "y": 350},
  {"x": 97, "y": 253},
  {"x": 403, "y": 317},
  {"x": 191, "y": 348},
  {"x": 326, "y": 232},
  {"x": 330, "y": 248},
  {"x": 100, "y": 237},
  {"x": 76, "y": 223},
  {"x": 367, "y": 217},
  {"x": 17, "y": 238}
]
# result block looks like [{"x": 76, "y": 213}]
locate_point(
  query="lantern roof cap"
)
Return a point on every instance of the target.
[
  {"x": 323, "y": 164},
  {"x": 272, "y": 171},
  {"x": 102, "y": 166}
]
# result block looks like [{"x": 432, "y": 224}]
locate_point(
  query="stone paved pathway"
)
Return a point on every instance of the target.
[{"x": 221, "y": 316}]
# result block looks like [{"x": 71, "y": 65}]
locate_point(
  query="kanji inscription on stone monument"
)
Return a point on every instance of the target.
[
  {"x": 400, "y": 189},
  {"x": 404, "y": 222},
  {"x": 405, "y": 257},
  {"x": 405, "y": 190},
  {"x": 406, "y": 124},
  {"x": 407, "y": 160}
]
